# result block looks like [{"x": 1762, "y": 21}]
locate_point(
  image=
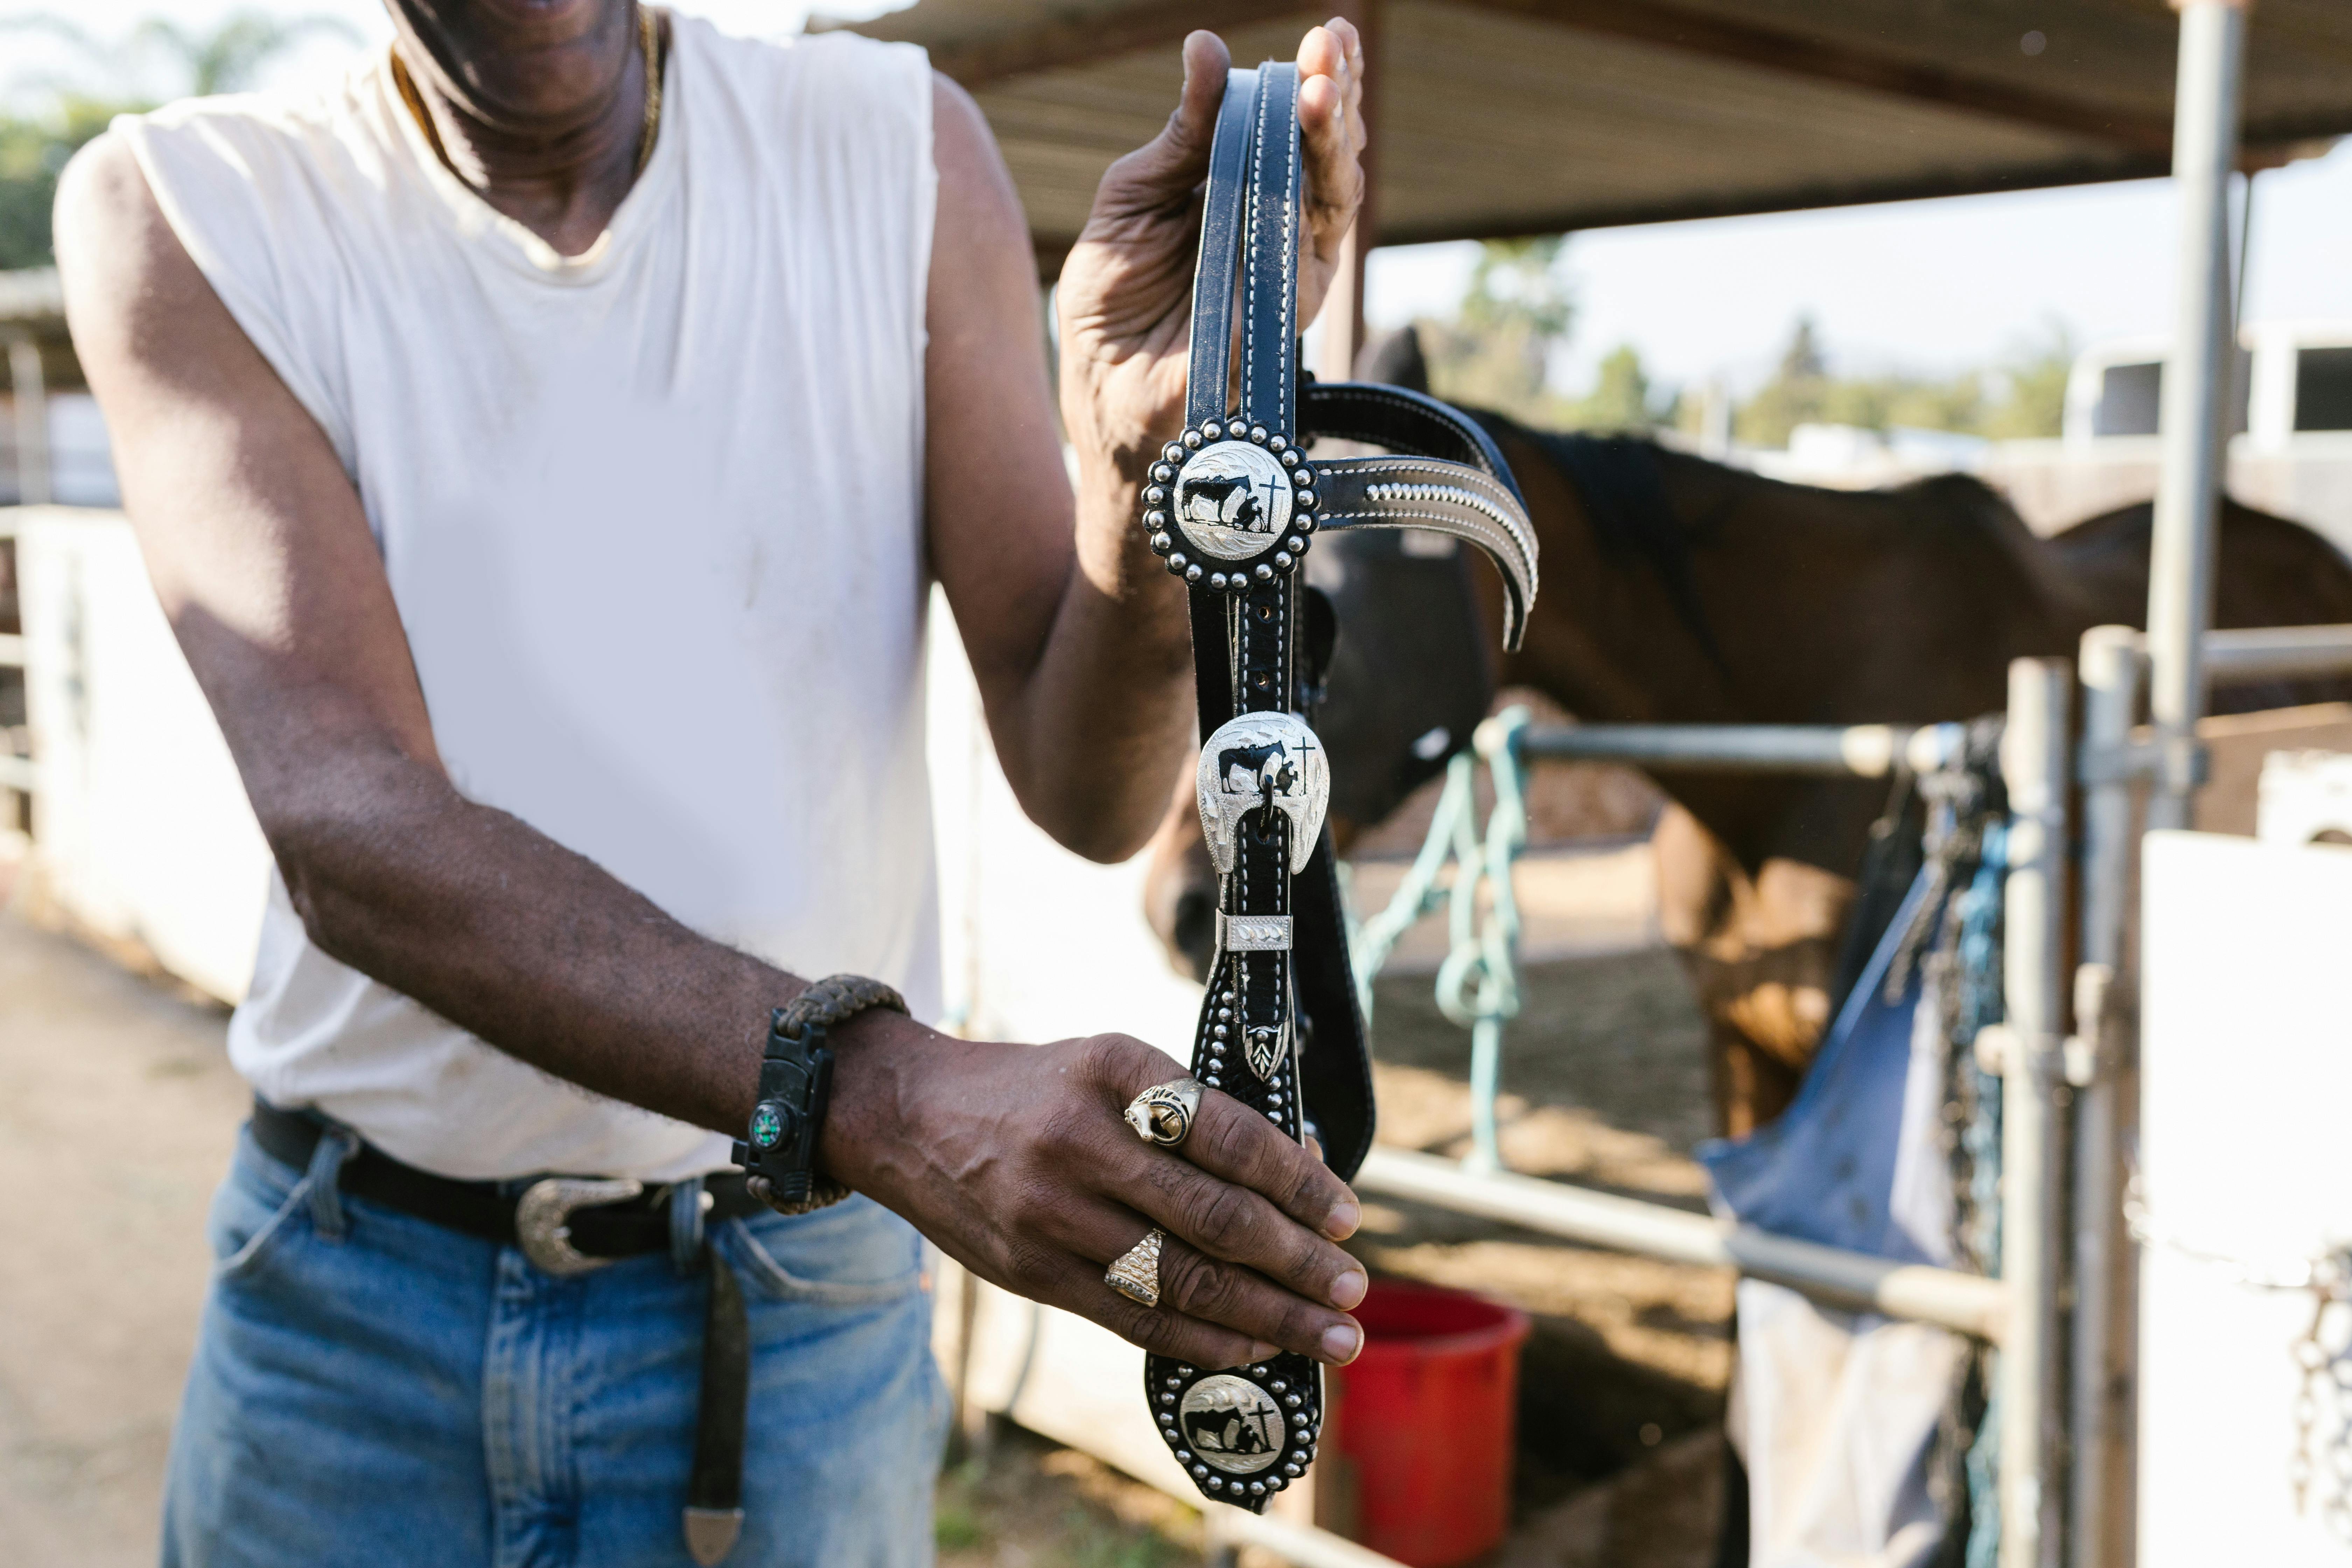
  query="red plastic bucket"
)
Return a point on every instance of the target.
[{"x": 1422, "y": 1424}]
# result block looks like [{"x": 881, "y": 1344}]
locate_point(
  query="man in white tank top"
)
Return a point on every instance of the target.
[{"x": 543, "y": 440}]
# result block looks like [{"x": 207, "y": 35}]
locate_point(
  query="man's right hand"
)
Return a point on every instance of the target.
[{"x": 1015, "y": 1161}]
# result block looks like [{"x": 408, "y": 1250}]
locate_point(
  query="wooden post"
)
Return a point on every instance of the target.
[
  {"x": 1343, "y": 309},
  {"x": 30, "y": 395}
]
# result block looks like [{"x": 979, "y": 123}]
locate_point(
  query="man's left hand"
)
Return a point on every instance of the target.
[{"x": 1127, "y": 288}]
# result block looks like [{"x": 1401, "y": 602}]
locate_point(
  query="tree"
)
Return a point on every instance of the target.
[
  {"x": 1621, "y": 397},
  {"x": 1497, "y": 351},
  {"x": 2025, "y": 396},
  {"x": 34, "y": 150},
  {"x": 2033, "y": 401},
  {"x": 32, "y": 153},
  {"x": 1798, "y": 393}
]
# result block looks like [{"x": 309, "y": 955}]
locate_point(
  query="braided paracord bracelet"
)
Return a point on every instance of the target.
[{"x": 795, "y": 1081}]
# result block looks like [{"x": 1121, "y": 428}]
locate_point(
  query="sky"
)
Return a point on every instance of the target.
[
  {"x": 1927, "y": 287},
  {"x": 1930, "y": 287}
]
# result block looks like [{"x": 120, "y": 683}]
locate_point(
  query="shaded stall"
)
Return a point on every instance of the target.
[{"x": 1512, "y": 117}]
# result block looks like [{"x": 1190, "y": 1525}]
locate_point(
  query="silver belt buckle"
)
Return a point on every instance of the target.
[{"x": 543, "y": 1219}]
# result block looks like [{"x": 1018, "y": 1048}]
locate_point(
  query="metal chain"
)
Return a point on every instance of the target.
[
  {"x": 2323, "y": 1451},
  {"x": 1953, "y": 945},
  {"x": 2326, "y": 1378}
]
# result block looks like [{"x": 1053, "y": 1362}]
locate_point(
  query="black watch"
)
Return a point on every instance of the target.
[{"x": 779, "y": 1152}]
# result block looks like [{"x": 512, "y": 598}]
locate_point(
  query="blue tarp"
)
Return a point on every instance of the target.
[
  {"x": 1836, "y": 1413},
  {"x": 1831, "y": 1169}
]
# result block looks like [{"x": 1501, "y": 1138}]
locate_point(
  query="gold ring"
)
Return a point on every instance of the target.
[
  {"x": 1163, "y": 1113},
  {"x": 1136, "y": 1274}
]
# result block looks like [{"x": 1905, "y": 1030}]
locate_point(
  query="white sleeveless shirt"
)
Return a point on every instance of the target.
[{"x": 653, "y": 520}]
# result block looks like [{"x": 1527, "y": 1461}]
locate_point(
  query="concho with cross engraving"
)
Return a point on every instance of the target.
[
  {"x": 1230, "y": 492},
  {"x": 1261, "y": 760}
]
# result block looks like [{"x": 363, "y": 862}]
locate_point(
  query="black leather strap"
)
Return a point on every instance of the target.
[
  {"x": 714, "y": 1488},
  {"x": 1403, "y": 421},
  {"x": 1222, "y": 215},
  {"x": 1452, "y": 498},
  {"x": 1233, "y": 506}
]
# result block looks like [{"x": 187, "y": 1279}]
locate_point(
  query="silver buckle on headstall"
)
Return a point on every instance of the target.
[
  {"x": 543, "y": 1219},
  {"x": 1252, "y": 933}
]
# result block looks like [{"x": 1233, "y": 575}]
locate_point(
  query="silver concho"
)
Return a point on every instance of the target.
[
  {"x": 1233, "y": 500},
  {"x": 1231, "y": 1424},
  {"x": 1249, "y": 758}
]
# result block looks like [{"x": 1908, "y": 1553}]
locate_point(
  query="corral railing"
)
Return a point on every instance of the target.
[
  {"x": 2020, "y": 1311},
  {"x": 2051, "y": 1310}
]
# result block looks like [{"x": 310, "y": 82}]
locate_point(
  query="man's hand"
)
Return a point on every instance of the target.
[
  {"x": 1014, "y": 1160},
  {"x": 1077, "y": 636},
  {"x": 1127, "y": 288}
]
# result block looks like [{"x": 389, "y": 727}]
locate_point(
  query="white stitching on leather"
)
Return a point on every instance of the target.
[
  {"x": 1249, "y": 257},
  {"x": 1471, "y": 528},
  {"x": 1501, "y": 505},
  {"x": 1372, "y": 393},
  {"x": 1289, "y": 236},
  {"x": 1458, "y": 494}
]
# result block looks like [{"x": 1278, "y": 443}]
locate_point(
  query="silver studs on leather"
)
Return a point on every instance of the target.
[{"x": 1235, "y": 506}]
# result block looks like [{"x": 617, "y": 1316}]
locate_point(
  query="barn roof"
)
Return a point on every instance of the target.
[{"x": 1500, "y": 117}]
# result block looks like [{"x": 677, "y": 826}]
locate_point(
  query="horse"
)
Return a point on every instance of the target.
[{"x": 1678, "y": 590}]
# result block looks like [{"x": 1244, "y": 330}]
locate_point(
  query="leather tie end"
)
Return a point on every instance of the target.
[{"x": 710, "y": 1533}]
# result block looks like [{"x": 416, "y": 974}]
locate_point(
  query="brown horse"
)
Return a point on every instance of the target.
[{"x": 1681, "y": 591}]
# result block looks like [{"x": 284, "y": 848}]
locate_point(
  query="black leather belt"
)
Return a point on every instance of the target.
[
  {"x": 565, "y": 1224},
  {"x": 568, "y": 1226},
  {"x": 1233, "y": 506}
]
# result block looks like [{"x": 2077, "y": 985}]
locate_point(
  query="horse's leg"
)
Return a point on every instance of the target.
[{"x": 1761, "y": 953}]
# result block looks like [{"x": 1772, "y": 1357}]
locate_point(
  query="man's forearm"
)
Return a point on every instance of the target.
[
  {"x": 509, "y": 935},
  {"x": 1108, "y": 720}
]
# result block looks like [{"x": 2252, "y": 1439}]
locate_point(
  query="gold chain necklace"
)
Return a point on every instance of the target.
[{"x": 648, "y": 44}]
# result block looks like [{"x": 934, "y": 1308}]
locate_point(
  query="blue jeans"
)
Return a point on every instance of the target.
[{"x": 372, "y": 1389}]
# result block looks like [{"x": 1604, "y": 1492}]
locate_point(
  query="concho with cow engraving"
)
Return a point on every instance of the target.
[
  {"x": 1230, "y": 492},
  {"x": 1233, "y": 500},
  {"x": 1241, "y": 1436},
  {"x": 1257, "y": 761}
]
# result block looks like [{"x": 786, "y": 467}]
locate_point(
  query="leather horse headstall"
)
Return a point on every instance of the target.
[{"x": 1233, "y": 505}]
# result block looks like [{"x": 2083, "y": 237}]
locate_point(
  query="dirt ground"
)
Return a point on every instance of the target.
[{"x": 118, "y": 1112}]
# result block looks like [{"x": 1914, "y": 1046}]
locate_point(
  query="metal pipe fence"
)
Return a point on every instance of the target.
[
  {"x": 2110, "y": 668},
  {"x": 2036, "y": 768},
  {"x": 1840, "y": 750},
  {"x": 2049, "y": 1313},
  {"x": 2192, "y": 422},
  {"x": 1970, "y": 1303},
  {"x": 2241, "y": 656},
  {"x": 1994, "y": 1310}
]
